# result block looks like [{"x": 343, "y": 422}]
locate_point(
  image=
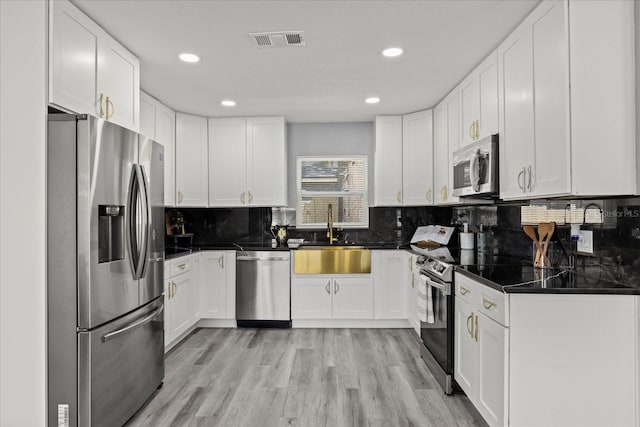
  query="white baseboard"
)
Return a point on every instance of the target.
[
  {"x": 182, "y": 336},
  {"x": 354, "y": 323},
  {"x": 217, "y": 323}
]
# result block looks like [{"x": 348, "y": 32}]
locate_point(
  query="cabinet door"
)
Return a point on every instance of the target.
[
  {"x": 469, "y": 91},
  {"x": 167, "y": 306},
  {"x": 148, "y": 116},
  {"x": 311, "y": 298},
  {"x": 73, "y": 48},
  {"x": 453, "y": 137},
  {"x": 191, "y": 161},
  {"x": 551, "y": 169},
  {"x": 515, "y": 84},
  {"x": 440, "y": 153},
  {"x": 492, "y": 348},
  {"x": 266, "y": 161},
  {"x": 465, "y": 345},
  {"x": 118, "y": 81},
  {"x": 391, "y": 272},
  {"x": 213, "y": 287},
  {"x": 166, "y": 135},
  {"x": 228, "y": 162},
  {"x": 388, "y": 161},
  {"x": 196, "y": 278},
  {"x": 352, "y": 298},
  {"x": 417, "y": 158},
  {"x": 181, "y": 301},
  {"x": 488, "y": 96}
]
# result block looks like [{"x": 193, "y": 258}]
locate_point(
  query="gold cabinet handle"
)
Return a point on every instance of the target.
[
  {"x": 470, "y": 329},
  {"x": 221, "y": 261},
  {"x": 328, "y": 287},
  {"x": 476, "y": 130},
  {"x": 529, "y": 182},
  {"x": 250, "y": 197},
  {"x": 180, "y": 196},
  {"x": 107, "y": 104},
  {"x": 488, "y": 303},
  {"x": 475, "y": 327},
  {"x": 175, "y": 289},
  {"x": 444, "y": 192},
  {"x": 522, "y": 174},
  {"x": 242, "y": 198},
  {"x": 336, "y": 287},
  {"x": 428, "y": 195},
  {"x": 182, "y": 266},
  {"x": 410, "y": 265},
  {"x": 101, "y": 105},
  {"x": 463, "y": 290},
  {"x": 471, "y": 130},
  {"x": 399, "y": 196}
]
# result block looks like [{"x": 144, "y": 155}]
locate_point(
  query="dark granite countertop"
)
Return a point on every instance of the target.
[{"x": 521, "y": 277}]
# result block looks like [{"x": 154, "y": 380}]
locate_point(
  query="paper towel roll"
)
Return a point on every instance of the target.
[{"x": 467, "y": 240}]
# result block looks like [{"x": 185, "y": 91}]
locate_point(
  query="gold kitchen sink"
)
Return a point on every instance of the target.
[{"x": 332, "y": 260}]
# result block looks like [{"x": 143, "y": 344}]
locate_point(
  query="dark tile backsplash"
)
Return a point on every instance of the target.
[{"x": 616, "y": 242}]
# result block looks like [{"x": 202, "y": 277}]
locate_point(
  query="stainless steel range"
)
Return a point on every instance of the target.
[{"x": 437, "y": 317}]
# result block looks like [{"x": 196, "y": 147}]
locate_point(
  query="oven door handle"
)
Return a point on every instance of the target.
[{"x": 444, "y": 287}]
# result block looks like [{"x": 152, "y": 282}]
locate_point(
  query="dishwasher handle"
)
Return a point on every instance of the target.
[{"x": 251, "y": 258}]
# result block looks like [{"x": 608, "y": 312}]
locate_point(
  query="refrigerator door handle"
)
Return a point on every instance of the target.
[
  {"x": 129, "y": 328},
  {"x": 132, "y": 235},
  {"x": 145, "y": 224}
]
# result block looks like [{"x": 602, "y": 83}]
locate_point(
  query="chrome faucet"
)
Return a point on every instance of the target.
[{"x": 330, "y": 225}]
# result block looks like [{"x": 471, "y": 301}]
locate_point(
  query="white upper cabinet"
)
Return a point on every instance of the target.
[
  {"x": 388, "y": 161},
  {"x": 479, "y": 102},
  {"x": 445, "y": 143},
  {"x": 89, "y": 71},
  {"x": 247, "y": 162},
  {"x": 191, "y": 161},
  {"x": 565, "y": 96},
  {"x": 158, "y": 122},
  {"x": 266, "y": 161},
  {"x": 227, "y": 162},
  {"x": 417, "y": 158}
]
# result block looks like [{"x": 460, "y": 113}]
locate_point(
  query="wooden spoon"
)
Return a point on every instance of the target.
[
  {"x": 531, "y": 232},
  {"x": 548, "y": 228}
]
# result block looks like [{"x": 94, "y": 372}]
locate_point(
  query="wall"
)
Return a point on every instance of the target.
[
  {"x": 23, "y": 35},
  {"x": 616, "y": 254},
  {"x": 328, "y": 139}
]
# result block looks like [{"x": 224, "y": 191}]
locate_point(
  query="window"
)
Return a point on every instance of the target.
[{"x": 330, "y": 181}]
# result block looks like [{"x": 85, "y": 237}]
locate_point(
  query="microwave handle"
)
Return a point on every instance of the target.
[{"x": 474, "y": 172}]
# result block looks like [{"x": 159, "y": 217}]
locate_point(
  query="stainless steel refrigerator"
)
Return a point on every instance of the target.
[{"x": 105, "y": 268}]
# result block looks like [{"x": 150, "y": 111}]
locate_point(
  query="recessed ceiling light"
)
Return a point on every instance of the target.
[
  {"x": 392, "y": 52},
  {"x": 189, "y": 57},
  {"x": 372, "y": 100},
  {"x": 228, "y": 103}
]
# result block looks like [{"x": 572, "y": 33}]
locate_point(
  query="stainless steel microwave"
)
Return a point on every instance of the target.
[{"x": 475, "y": 169}]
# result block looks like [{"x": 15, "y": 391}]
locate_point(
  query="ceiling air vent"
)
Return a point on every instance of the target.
[{"x": 279, "y": 38}]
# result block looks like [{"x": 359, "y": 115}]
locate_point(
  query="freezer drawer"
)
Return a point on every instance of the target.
[{"x": 120, "y": 365}]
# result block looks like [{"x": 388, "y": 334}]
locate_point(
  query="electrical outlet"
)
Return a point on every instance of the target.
[{"x": 585, "y": 243}]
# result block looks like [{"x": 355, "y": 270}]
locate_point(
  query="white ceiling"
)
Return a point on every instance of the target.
[{"x": 325, "y": 81}]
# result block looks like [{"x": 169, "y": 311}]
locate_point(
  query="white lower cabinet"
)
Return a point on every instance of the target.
[
  {"x": 180, "y": 292},
  {"x": 391, "y": 270},
  {"x": 412, "y": 296},
  {"x": 482, "y": 345},
  {"x": 218, "y": 285},
  {"x": 332, "y": 297}
]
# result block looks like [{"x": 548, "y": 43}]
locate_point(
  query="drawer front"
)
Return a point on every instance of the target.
[
  {"x": 180, "y": 265},
  {"x": 482, "y": 298}
]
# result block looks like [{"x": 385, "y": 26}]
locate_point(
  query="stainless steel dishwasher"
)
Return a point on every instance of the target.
[{"x": 263, "y": 289}]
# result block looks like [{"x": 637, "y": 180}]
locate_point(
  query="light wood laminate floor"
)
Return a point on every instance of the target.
[{"x": 301, "y": 377}]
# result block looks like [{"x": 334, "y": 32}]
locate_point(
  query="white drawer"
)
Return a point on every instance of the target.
[
  {"x": 180, "y": 265},
  {"x": 492, "y": 302}
]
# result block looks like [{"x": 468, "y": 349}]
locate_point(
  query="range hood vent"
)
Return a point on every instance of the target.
[{"x": 279, "y": 38}]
